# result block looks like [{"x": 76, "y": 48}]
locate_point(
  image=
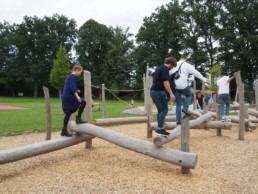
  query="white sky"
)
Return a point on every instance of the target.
[{"x": 124, "y": 13}]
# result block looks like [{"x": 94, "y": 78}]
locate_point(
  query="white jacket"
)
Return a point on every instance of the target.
[{"x": 186, "y": 69}]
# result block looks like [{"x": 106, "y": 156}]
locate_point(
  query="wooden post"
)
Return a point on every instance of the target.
[
  {"x": 88, "y": 98},
  {"x": 149, "y": 103},
  {"x": 218, "y": 119},
  {"x": 246, "y": 117},
  {"x": 194, "y": 95},
  {"x": 214, "y": 102},
  {"x": 103, "y": 101},
  {"x": 241, "y": 92},
  {"x": 185, "y": 139},
  {"x": 256, "y": 96},
  {"x": 48, "y": 112},
  {"x": 236, "y": 96},
  {"x": 144, "y": 91}
]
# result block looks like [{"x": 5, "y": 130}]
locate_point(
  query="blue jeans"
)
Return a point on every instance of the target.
[
  {"x": 161, "y": 101},
  {"x": 224, "y": 98},
  {"x": 188, "y": 95}
]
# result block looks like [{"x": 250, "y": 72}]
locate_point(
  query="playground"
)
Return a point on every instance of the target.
[{"x": 225, "y": 165}]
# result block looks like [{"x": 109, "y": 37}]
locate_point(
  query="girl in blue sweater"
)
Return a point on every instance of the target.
[{"x": 71, "y": 100}]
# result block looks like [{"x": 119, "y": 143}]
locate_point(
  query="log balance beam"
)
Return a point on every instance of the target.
[
  {"x": 117, "y": 121},
  {"x": 206, "y": 125},
  {"x": 15, "y": 154},
  {"x": 158, "y": 141},
  {"x": 184, "y": 159}
]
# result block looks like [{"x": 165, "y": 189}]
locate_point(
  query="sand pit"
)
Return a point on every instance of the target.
[{"x": 225, "y": 165}]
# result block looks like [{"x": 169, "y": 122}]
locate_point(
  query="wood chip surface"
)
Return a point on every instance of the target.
[{"x": 225, "y": 165}]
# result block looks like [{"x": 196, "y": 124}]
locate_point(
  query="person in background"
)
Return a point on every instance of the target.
[
  {"x": 223, "y": 95},
  {"x": 158, "y": 92},
  {"x": 71, "y": 100},
  {"x": 209, "y": 101},
  {"x": 199, "y": 100},
  {"x": 183, "y": 88}
]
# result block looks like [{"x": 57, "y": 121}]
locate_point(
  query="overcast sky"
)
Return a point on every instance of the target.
[{"x": 125, "y": 13}]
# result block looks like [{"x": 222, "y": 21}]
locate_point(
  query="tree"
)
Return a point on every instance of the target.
[{"x": 60, "y": 70}]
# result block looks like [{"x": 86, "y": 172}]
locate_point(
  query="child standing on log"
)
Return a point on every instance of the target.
[
  {"x": 71, "y": 100},
  {"x": 223, "y": 95}
]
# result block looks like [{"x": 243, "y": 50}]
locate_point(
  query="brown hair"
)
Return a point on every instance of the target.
[
  {"x": 171, "y": 61},
  {"x": 77, "y": 67}
]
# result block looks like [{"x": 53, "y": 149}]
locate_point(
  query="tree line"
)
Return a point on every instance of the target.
[{"x": 211, "y": 32}]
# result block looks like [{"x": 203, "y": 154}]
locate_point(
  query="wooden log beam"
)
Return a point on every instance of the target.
[
  {"x": 185, "y": 141},
  {"x": 253, "y": 112},
  {"x": 117, "y": 121},
  {"x": 253, "y": 120},
  {"x": 206, "y": 125},
  {"x": 185, "y": 159},
  {"x": 158, "y": 141},
  {"x": 15, "y": 154}
]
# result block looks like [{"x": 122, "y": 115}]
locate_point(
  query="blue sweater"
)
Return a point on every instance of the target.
[{"x": 69, "y": 100}]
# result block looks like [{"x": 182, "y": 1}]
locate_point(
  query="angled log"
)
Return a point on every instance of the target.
[
  {"x": 185, "y": 159},
  {"x": 158, "y": 141},
  {"x": 206, "y": 125},
  {"x": 253, "y": 120},
  {"x": 117, "y": 121},
  {"x": 15, "y": 154},
  {"x": 253, "y": 112}
]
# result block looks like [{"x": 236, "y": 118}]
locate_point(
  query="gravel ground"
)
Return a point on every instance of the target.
[{"x": 225, "y": 165}]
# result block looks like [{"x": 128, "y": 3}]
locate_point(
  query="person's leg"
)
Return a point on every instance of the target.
[
  {"x": 163, "y": 109},
  {"x": 65, "y": 123},
  {"x": 227, "y": 101},
  {"x": 154, "y": 97},
  {"x": 177, "y": 94},
  {"x": 188, "y": 97},
  {"x": 81, "y": 109},
  {"x": 221, "y": 102}
]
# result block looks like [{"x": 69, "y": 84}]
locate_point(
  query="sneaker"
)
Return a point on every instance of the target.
[
  {"x": 187, "y": 112},
  {"x": 161, "y": 132},
  {"x": 79, "y": 120},
  {"x": 178, "y": 123},
  {"x": 223, "y": 119},
  {"x": 228, "y": 119}
]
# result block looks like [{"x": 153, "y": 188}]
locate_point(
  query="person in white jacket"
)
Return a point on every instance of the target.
[{"x": 182, "y": 86}]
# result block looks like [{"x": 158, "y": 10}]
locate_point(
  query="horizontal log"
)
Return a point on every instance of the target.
[
  {"x": 158, "y": 141},
  {"x": 206, "y": 125},
  {"x": 170, "y": 118},
  {"x": 185, "y": 159},
  {"x": 19, "y": 153},
  {"x": 117, "y": 121},
  {"x": 253, "y": 120},
  {"x": 253, "y": 112}
]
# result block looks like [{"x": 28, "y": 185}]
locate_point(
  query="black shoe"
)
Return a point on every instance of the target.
[
  {"x": 65, "y": 133},
  {"x": 187, "y": 112},
  {"x": 79, "y": 120},
  {"x": 162, "y": 132},
  {"x": 178, "y": 123}
]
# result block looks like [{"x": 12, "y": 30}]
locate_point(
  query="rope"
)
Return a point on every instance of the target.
[
  {"x": 117, "y": 97},
  {"x": 118, "y": 90}
]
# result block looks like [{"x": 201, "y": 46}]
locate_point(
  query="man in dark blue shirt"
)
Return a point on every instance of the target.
[
  {"x": 159, "y": 90},
  {"x": 71, "y": 101}
]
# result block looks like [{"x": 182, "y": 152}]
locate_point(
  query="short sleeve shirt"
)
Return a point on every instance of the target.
[
  {"x": 223, "y": 85},
  {"x": 161, "y": 74}
]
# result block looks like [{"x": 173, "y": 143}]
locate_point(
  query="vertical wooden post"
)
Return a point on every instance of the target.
[
  {"x": 149, "y": 103},
  {"x": 88, "y": 98},
  {"x": 103, "y": 101},
  {"x": 144, "y": 91},
  {"x": 246, "y": 117},
  {"x": 218, "y": 118},
  {"x": 214, "y": 102},
  {"x": 48, "y": 112},
  {"x": 236, "y": 96},
  {"x": 241, "y": 92},
  {"x": 256, "y": 96},
  {"x": 203, "y": 88},
  {"x": 185, "y": 141},
  {"x": 194, "y": 95}
]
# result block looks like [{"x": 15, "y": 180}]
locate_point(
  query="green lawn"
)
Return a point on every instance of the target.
[{"x": 14, "y": 122}]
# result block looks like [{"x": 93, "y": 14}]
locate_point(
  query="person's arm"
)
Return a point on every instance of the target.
[
  {"x": 230, "y": 79},
  {"x": 167, "y": 86},
  {"x": 196, "y": 73},
  {"x": 73, "y": 87},
  {"x": 198, "y": 105}
]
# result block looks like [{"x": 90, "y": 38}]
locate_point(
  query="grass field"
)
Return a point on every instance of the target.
[{"x": 15, "y": 122}]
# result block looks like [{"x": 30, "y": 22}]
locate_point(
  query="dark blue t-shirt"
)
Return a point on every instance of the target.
[
  {"x": 161, "y": 74},
  {"x": 69, "y": 100}
]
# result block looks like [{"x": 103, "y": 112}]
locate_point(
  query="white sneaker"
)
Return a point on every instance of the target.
[{"x": 223, "y": 119}]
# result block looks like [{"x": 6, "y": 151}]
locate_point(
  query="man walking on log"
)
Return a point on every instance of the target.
[
  {"x": 71, "y": 100},
  {"x": 223, "y": 95},
  {"x": 181, "y": 86},
  {"x": 159, "y": 95}
]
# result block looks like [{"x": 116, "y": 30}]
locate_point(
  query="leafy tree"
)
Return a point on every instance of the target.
[{"x": 60, "y": 70}]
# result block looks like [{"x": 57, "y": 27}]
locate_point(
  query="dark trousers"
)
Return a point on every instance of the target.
[{"x": 69, "y": 113}]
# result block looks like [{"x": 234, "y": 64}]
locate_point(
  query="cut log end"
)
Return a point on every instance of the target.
[{"x": 157, "y": 141}]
